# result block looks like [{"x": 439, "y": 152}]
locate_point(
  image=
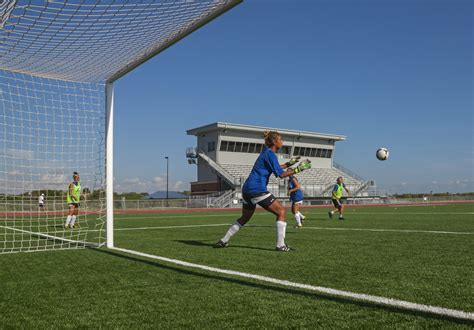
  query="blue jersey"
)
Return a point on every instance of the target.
[
  {"x": 295, "y": 196},
  {"x": 265, "y": 165}
]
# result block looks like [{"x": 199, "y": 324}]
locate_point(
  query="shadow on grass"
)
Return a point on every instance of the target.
[
  {"x": 203, "y": 243},
  {"x": 276, "y": 288}
]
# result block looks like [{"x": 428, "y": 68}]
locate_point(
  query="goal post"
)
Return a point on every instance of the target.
[
  {"x": 109, "y": 92},
  {"x": 58, "y": 64}
]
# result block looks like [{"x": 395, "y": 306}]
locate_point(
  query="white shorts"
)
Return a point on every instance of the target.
[{"x": 298, "y": 202}]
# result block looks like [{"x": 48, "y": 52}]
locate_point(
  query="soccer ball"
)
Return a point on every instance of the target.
[{"x": 382, "y": 153}]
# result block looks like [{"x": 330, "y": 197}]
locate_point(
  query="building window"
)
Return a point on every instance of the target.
[
  {"x": 223, "y": 146},
  {"x": 285, "y": 150},
  {"x": 238, "y": 147},
  {"x": 245, "y": 147},
  {"x": 308, "y": 152},
  {"x": 231, "y": 146},
  {"x": 251, "y": 148}
]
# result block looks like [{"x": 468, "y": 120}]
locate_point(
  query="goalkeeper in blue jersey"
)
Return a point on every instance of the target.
[
  {"x": 255, "y": 189},
  {"x": 336, "y": 198},
  {"x": 296, "y": 198}
]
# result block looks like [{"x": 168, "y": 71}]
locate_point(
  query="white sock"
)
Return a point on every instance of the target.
[
  {"x": 298, "y": 219},
  {"x": 281, "y": 233},
  {"x": 68, "y": 220},
  {"x": 301, "y": 215},
  {"x": 73, "y": 220},
  {"x": 231, "y": 231}
]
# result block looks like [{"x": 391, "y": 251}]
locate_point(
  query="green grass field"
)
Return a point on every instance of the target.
[{"x": 421, "y": 254}]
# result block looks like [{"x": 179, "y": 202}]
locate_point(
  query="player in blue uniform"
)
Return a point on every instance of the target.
[
  {"x": 296, "y": 198},
  {"x": 255, "y": 189}
]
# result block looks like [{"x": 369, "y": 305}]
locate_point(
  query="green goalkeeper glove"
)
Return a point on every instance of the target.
[
  {"x": 304, "y": 165},
  {"x": 293, "y": 161}
]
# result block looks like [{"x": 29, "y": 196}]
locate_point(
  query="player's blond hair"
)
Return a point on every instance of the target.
[{"x": 270, "y": 137}]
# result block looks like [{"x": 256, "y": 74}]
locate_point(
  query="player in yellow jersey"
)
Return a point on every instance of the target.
[
  {"x": 73, "y": 200},
  {"x": 336, "y": 198}
]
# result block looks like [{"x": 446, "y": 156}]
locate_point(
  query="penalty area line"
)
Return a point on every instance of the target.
[
  {"x": 394, "y": 230},
  {"x": 304, "y": 228},
  {"x": 168, "y": 227},
  {"x": 401, "y": 304}
]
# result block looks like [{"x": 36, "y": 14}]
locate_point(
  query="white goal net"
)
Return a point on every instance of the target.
[{"x": 58, "y": 60}]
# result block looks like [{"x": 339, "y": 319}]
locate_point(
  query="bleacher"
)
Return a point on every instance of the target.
[
  {"x": 314, "y": 180},
  {"x": 225, "y": 154}
]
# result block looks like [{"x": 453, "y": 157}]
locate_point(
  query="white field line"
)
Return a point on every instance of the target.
[
  {"x": 458, "y": 314},
  {"x": 354, "y": 212},
  {"x": 168, "y": 227},
  {"x": 171, "y": 227},
  {"x": 225, "y": 215},
  {"x": 54, "y": 237},
  {"x": 131, "y": 216},
  {"x": 394, "y": 230},
  {"x": 304, "y": 228},
  {"x": 195, "y": 215}
]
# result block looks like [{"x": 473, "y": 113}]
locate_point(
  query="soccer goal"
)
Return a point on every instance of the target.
[{"x": 58, "y": 62}]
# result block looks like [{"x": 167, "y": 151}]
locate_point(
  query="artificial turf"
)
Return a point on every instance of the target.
[{"x": 420, "y": 254}]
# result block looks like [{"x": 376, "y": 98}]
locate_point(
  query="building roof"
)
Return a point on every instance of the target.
[{"x": 259, "y": 129}]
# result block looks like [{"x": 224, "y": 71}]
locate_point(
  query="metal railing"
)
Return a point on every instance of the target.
[
  {"x": 348, "y": 172},
  {"x": 219, "y": 170},
  {"x": 225, "y": 200}
]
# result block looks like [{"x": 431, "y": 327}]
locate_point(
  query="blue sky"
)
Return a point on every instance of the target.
[{"x": 386, "y": 73}]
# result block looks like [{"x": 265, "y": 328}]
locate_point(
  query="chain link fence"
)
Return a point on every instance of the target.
[{"x": 26, "y": 204}]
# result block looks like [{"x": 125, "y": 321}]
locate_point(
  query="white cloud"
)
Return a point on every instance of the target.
[
  {"x": 159, "y": 181},
  {"x": 20, "y": 154},
  {"x": 178, "y": 186},
  {"x": 136, "y": 184},
  {"x": 52, "y": 178},
  {"x": 132, "y": 181},
  {"x": 14, "y": 173}
]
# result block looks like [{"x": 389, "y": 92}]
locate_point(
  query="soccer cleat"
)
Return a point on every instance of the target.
[
  {"x": 341, "y": 218},
  {"x": 284, "y": 248},
  {"x": 330, "y": 214},
  {"x": 298, "y": 226},
  {"x": 66, "y": 226},
  {"x": 221, "y": 244}
]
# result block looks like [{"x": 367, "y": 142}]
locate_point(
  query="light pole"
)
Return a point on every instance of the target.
[{"x": 167, "y": 178}]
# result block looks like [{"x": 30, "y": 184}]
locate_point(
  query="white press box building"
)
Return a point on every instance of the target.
[{"x": 225, "y": 154}]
